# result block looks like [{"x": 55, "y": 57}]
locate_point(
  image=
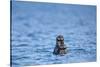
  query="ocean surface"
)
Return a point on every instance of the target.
[{"x": 35, "y": 27}]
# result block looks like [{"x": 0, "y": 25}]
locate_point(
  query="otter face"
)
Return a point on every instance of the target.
[{"x": 60, "y": 40}]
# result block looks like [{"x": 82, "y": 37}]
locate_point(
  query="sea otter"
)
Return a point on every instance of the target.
[{"x": 60, "y": 48}]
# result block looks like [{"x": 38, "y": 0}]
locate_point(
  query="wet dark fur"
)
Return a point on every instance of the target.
[{"x": 60, "y": 48}]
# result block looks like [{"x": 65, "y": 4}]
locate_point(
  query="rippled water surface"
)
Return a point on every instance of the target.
[{"x": 35, "y": 27}]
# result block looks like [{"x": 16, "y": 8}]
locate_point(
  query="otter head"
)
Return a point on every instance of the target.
[{"x": 60, "y": 40}]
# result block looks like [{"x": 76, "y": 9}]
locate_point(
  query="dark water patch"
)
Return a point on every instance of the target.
[
  {"x": 20, "y": 40},
  {"x": 38, "y": 58},
  {"x": 90, "y": 33},
  {"x": 91, "y": 51},
  {"x": 14, "y": 57},
  {"x": 70, "y": 33},
  {"x": 48, "y": 55},
  {"x": 80, "y": 49},
  {"x": 57, "y": 62},
  {"x": 81, "y": 23},
  {"x": 38, "y": 50},
  {"x": 23, "y": 50},
  {"x": 31, "y": 35},
  {"x": 25, "y": 57},
  {"x": 40, "y": 32},
  {"x": 37, "y": 45},
  {"x": 21, "y": 18},
  {"x": 22, "y": 45},
  {"x": 46, "y": 51},
  {"x": 17, "y": 40},
  {"x": 16, "y": 35},
  {"x": 82, "y": 52},
  {"x": 42, "y": 50},
  {"x": 27, "y": 24},
  {"x": 19, "y": 57},
  {"x": 94, "y": 43},
  {"x": 77, "y": 50},
  {"x": 19, "y": 45},
  {"x": 15, "y": 63},
  {"x": 51, "y": 59}
]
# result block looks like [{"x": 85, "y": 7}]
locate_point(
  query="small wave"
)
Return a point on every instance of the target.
[
  {"x": 19, "y": 58},
  {"x": 15, "y": 63},
  {"x": 22, "y": 45}
]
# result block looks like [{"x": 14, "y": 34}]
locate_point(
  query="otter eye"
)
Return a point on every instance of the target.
[{"x": 58, "y": 39}]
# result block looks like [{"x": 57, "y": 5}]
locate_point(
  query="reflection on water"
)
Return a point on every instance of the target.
[{"x": 35, "y": 27}]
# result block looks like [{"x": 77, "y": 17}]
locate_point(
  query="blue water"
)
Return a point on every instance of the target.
[{"x": 35, "y": 27}]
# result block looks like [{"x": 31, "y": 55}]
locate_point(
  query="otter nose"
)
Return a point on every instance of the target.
[{"x": 62, "y": 38}]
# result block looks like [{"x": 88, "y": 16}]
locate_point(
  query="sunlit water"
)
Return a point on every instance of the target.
[{"x": 35, "y": 27}]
